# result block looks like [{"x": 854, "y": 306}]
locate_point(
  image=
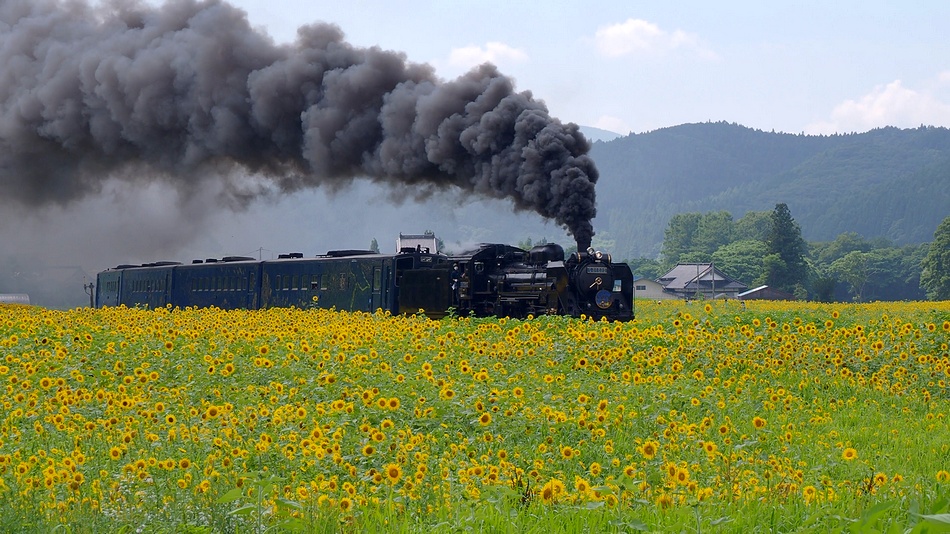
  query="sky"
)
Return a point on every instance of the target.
[{"x": 813, "y": 67}]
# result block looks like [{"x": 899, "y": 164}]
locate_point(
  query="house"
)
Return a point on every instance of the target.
[
  {"x": 644, "y": 288},
  {"x": 700, "y": 280},
  {"x": 765, "y": 293}
]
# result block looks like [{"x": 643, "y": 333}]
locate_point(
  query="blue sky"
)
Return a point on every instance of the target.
[{"x": 808, "y": 66}]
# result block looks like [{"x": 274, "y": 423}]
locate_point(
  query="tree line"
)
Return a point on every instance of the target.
[{"x": 767, "y": 248}]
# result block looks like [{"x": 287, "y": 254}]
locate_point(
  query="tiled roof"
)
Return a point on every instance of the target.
[{"x": 685, "y": 275}]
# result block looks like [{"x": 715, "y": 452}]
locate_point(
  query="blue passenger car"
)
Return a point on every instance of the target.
[
  {"x": 230, "y": 283},
  {"x": 350, "y": 280}
]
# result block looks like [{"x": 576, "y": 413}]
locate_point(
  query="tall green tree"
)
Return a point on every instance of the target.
[
  {"x": 678, "y": 237},
  {"x": 788, "y": 270},
  {"x": 935, "y": 269}
]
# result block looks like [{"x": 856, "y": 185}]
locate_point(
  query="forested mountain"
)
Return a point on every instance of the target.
[{"x": 888, "y": 182}]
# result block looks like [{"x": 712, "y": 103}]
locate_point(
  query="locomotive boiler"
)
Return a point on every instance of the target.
[{"x": 507, "y": 281}]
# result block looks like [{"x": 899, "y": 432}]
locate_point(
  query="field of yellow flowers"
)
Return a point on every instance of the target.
[{"x": 774, "y": 416}]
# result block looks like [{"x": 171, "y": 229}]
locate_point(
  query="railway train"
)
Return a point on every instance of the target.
[{"x": 489, "y": 280}]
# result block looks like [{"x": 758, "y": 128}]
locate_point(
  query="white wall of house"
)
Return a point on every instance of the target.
[{"x": 649, "y": 289}]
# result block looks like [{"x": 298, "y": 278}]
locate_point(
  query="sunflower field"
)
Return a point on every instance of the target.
[{"x": 695, "y": 417}]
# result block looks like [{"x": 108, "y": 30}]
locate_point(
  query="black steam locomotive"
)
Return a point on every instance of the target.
[{"x": 492, "y": 279}]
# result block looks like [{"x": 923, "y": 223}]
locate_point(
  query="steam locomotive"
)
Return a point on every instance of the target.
[{"x": 490, "y": 280}]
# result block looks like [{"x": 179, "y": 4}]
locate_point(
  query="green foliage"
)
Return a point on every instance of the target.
[
  {"x": 754, "y": 225},
  {"x": 935, "y": 275},
  {"x": 741, "y": 260},
  {"x": 679, "y": 235},
  {"x": 785, "y": 241},
  {"x": 646, "y": 268},
  {"x": 853, "y": 269},
  {"x": 693, "y": 237},
  {"x": 848, "y": 268},
  {"x": 883, "y": 183},
  {"x": 715, "y": 230}
]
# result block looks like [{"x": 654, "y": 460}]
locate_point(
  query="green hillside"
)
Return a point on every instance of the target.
[{"x": 887, "y": 183}]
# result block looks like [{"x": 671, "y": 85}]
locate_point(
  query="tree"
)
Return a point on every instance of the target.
[
  {"x": 753, "y": 225},
  {"x": 827, "y": 253},
  {"x": 678, "y": 237},
  {"x": 785, "y": 241},
  {"x": 741, "y": 260},
  {"x": 374, "y": 246},
  {"x": 935, "y": 269},
  {"x": 853, "y": 269},
  {"x": 715, "y": 229},
  {"x": 646, "y": 268}
]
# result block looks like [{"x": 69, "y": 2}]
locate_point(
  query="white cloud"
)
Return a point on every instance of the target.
[
  {"x": 493, "y": 52},
  {"x": 889, "y": 105},
  {"x": 637, "y": 36}
]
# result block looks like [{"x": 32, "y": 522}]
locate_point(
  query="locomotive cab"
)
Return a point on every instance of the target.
[{"x": 422, "y": 282}]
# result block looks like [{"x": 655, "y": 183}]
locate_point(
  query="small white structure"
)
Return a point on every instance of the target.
[
  {"x": 425, "y": 242},
  {"x": 14, "y": 298},
  {"x": 644, "y": 288}
]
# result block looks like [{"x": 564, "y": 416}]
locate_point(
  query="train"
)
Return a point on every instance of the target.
[{"x": 488, "y": 280}]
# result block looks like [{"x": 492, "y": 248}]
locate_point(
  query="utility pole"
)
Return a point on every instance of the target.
[{"x": 90, "y": 290}]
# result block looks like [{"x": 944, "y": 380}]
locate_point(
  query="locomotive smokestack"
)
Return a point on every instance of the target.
[
  {"x": 189, "y": 92},
  {"x": 583, "y": 245}
]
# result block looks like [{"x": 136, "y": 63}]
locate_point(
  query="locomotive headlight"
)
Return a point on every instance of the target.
[{"x": 599, "y": 255}]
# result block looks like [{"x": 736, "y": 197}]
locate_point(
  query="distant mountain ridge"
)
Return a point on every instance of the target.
[
  {"x": 888, "y": 182},
  {"x": 598, "y": 134}
]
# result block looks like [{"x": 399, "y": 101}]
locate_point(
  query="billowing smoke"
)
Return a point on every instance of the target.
[{"x": 189, "y": 92}]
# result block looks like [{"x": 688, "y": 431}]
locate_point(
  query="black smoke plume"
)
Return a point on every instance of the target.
[{"x": 189, "y": 92}]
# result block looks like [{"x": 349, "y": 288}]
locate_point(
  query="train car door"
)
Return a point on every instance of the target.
[
  {"x": 386, "y": 286},
  {"x": 246, "y": 276},
  {"x": 376, "y": 296},
  {"x": 167, "y": 284},
  {"x": 254, "y": 287}
]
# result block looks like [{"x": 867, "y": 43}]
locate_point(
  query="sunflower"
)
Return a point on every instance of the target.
[
  {"x": 551, "y": 491},
  {"x": 649, "y": 449},
  {"x": 849, "y": 454},
  {"x": 810, "y": 493},
  {"x": 393, "y": 473},
  {"x": 581, "y": 485}
]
